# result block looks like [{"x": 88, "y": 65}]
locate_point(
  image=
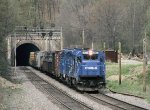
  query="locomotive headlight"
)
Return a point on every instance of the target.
[{"x": 90, "y": 52}]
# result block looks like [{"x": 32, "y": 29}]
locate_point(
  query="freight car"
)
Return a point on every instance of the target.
[
  {"x": 32, "y": 58},
  {"x": 50, "y": 63},
  {"x": 83, "y": 69},
  {"x": 36, "y": 59}
]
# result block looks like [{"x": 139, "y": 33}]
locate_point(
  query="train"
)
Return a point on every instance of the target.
[{"x": 83, "y": 69}]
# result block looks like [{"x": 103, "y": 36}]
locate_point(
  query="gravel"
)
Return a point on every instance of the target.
[
  {"x": 71, "y": 92},
  {"x": 96, "y": 106},
  {"x": 29, "y": 98},
  {"x": 131, "y": 100}
]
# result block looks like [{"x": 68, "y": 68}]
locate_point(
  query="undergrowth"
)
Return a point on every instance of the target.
[{"x": 131, "y": 85}]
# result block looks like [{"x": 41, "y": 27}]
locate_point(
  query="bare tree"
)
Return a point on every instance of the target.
[{"x": 109, "y": 21}]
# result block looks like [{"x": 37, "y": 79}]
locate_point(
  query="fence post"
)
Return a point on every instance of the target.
[
  {"x": 144, "y": 64},
  {"x": 104, "y": 46},
  {"x": 92, "y": 44},
  {"x": 15, "y": 52},
  {"x": 83, "y": 38},
  {"x": 119, "y": 63},
  {"x": 61, "y": 40}
]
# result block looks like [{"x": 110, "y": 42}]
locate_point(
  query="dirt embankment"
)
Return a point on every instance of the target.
[
  {"x": 4, "y": 83},
  {"x": 6, "y": 88}
]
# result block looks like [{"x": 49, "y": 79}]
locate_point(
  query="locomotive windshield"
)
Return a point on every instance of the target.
[{"x": 90, "y": 57}]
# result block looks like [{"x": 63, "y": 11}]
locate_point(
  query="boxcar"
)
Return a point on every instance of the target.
[
  {"x": 32, "y": 59},
  {"x": 39, "y": 59}
]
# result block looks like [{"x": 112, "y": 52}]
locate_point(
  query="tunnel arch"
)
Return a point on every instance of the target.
[
  {"x": 23, "y": 52},
  {"x": 19, "y": 43}
]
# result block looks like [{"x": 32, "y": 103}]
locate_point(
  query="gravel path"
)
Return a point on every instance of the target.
[
  {"x": 131, "y": 100},
  {"x": 71, "y": 92},
  {"x": 29, "y": 98}
]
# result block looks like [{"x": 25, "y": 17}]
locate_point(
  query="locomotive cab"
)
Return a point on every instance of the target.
[{"x": 91, "y": 74}]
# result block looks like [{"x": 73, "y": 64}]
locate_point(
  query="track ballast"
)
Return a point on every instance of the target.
[{"x": 63, "y": 98}]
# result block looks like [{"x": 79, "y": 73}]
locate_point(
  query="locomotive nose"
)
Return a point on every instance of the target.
[
  {"x": 90, "y": 69},
  {"x": 92, "y": 83}
]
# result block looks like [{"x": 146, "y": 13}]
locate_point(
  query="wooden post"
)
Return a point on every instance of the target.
[
  {"x": 144, "y": 64},
  {"x": 61, "y": 39},
  {"x": 119, "y": 63},
  {"x": 46, "y": 44},
  {"x": 15, "y": 52},
  {"x": 83, "y": 38},
  {"x": 92, "y": 44},
  {"x": 104, "y": 47}
]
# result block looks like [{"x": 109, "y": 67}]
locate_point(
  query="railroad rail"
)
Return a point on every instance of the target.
[
  {"x": 61, "y": 97},
  {"x": 113, "y": 103},
  {"x": 127, "y": 94}
]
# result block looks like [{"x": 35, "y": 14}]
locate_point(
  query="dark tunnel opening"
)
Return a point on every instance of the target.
[{"x": 23, "y": 52}]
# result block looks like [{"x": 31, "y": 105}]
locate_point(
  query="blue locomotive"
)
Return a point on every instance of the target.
[{"x": 83, "y": 68}]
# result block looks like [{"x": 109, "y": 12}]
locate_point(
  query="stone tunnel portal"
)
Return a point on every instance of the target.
[{"x": 23, "y": 52}]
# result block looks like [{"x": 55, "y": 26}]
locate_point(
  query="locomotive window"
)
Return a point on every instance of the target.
[
  {"x": 101, "y": 60},
  {"x": 88, "y": 57},
  {"x": 79, "y": 59}
]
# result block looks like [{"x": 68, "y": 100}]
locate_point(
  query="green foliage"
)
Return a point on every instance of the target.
[
  {"x": 126, "y": 87},
  {"x": 133, "y": 83},
  {"x": 113, "y": 69}
]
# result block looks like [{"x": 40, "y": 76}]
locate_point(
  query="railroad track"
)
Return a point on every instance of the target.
[
  {"x": 113, "y": 103},
  {"x": 61, "y": 97}
]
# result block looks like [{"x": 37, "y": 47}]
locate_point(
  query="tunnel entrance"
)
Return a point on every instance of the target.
[{"x": 23, "y": 52}]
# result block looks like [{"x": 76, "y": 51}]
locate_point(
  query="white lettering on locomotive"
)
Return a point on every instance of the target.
[
  {"x": 91, "y": 68},
  {"x": 88, "y": 52}
]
